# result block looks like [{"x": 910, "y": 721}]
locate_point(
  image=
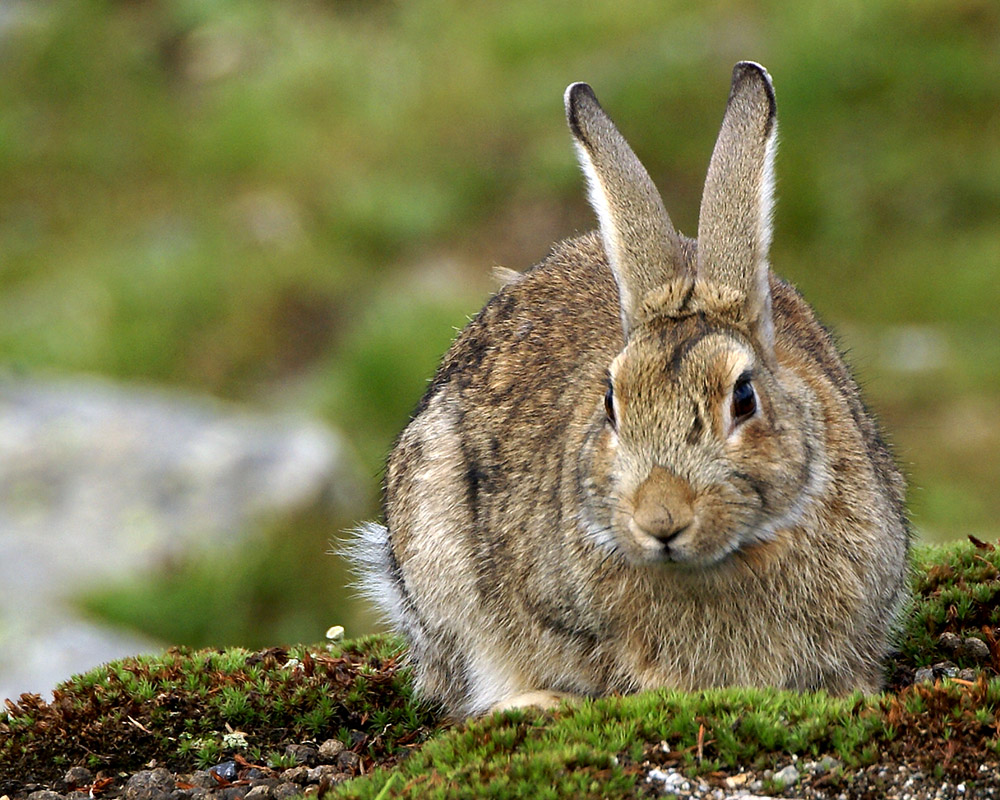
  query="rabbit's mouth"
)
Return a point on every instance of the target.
[
  {"x": 718, "y": 524},
  {"x": 688, "y": 546},
  {"x": 660, "y": 548}
]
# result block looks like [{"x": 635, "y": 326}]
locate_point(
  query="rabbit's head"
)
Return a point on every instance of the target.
[{"x": 708, "y": 446}]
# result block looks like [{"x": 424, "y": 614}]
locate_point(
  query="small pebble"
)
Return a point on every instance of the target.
[
  {"x": 945, "y": 669},
  {"x": 302, "y": 753},
  {"x": 329, "y": 750},
  {"x": 924, "y": 675},
  {"x": 357, "y": 737},
  {"x": 675, "y": 780},
  {"x": 973, "y": 649},
  {"x": 296, "y": 775},
  {"x": 735, "y": 781},
  {"x": 45, "y": 794},
  {"x": 149, "y": 784},
  {"x": 321, "y": 773},
  {"x": 260, "y": 792},
  {"x": 78, "y": 777},
  {"x": 828, "y": 764},
  {"x": 657, "y": 775},
  {"x": 202, "y": 780},
  {"x": 226, "y": 770},
  {"x": 285, "y": 791},
  {"x": 788, "y": 776},
  {"x": 949, "y": 641},
  {"x": 348, "y": 761}
]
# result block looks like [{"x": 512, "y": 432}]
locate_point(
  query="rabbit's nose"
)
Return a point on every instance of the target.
[{"x": 663, "y": 505}]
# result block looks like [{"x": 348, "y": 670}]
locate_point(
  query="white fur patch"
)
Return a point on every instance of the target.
[
  {"x": 489, "y": 686},
  {"x": 370, "y": 555},
  {"x": 609, "y": 232}
]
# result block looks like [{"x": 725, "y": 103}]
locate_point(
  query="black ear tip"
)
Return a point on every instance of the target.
[
  {"x": 751, "y": 69},
  {"x": 578, "y": 90},
  {"x": 752, "y": 73},
  {"x": 579, "y": 96}
]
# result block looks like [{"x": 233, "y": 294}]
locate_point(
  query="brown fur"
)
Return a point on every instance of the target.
[{"x": 535, "y": 548}]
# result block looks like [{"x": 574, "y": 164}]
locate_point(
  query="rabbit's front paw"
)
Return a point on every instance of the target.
[{"x": 534, "y": 699}]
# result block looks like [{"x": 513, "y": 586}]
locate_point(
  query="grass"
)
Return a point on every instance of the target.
[{"x": 179, "y": 707}]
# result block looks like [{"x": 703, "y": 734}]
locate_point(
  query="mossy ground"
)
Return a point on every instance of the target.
[{"x": 178, "y": 707}]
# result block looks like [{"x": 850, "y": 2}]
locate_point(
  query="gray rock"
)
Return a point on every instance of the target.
[
  {"x": 827, "y": 764},
  {"x": 122, "y": 478},
  {"x": 675, "y": 781},
  {"x": 967, "y": 674},
  {"x": 197, "y": 793},
  {"x": 949, "y": 642},
  {"x": 226, "y": 770},
  {"x": 945, "y": 669},
  {"x": 358, "y": 737},
  {"x": 788, "y": 776},
  {"x": 973, "y": 649},
  {"x": 261, "y": 791},
  {"x": 329, "y": 750},
  {"x": 202, "y": 779},
  {"x": 656, "y": 774},
  {"x": 302, "y": 753},
  {"x": 348, "y": 761},
  {"x": 298, "y": 775},
  {"x": 286, "y": 791},
  {"x": 78, "y": 777},
  {"x": 323, "y": 772},
  {"x": 150, "y": 784},
  {"x": 924, "y": 675},
  {"x": 45, "y": 794}
]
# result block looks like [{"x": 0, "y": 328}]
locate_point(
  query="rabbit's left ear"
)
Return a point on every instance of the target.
[{"x": 734, "y": 224}]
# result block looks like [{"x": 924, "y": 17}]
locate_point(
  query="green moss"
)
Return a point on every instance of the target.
[
  {"x": 956, "y": 589},
  {"x": 136, "y": 709},
  {"x": 594, "y": 748},
  {"x": 512, "y": 754},
  {"x": 185, "y": 700}
]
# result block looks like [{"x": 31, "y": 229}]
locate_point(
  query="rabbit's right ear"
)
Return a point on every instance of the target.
[
  {"x": 734, "y": 224},
  {"x": 640, "y": 241}
]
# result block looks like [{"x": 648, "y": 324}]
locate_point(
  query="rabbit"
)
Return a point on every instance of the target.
[{"x": 644, "y": 463}]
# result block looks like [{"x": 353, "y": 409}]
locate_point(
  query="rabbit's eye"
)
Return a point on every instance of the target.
[
  {"x": 609, "y": 404},
  {"x": 744, "y": 400}
]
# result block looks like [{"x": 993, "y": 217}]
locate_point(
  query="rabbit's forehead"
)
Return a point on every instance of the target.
[{"x": 693, "y": 357}]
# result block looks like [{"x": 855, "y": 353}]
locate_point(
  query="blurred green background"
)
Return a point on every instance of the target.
[{"x": 294, "y": 205}]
